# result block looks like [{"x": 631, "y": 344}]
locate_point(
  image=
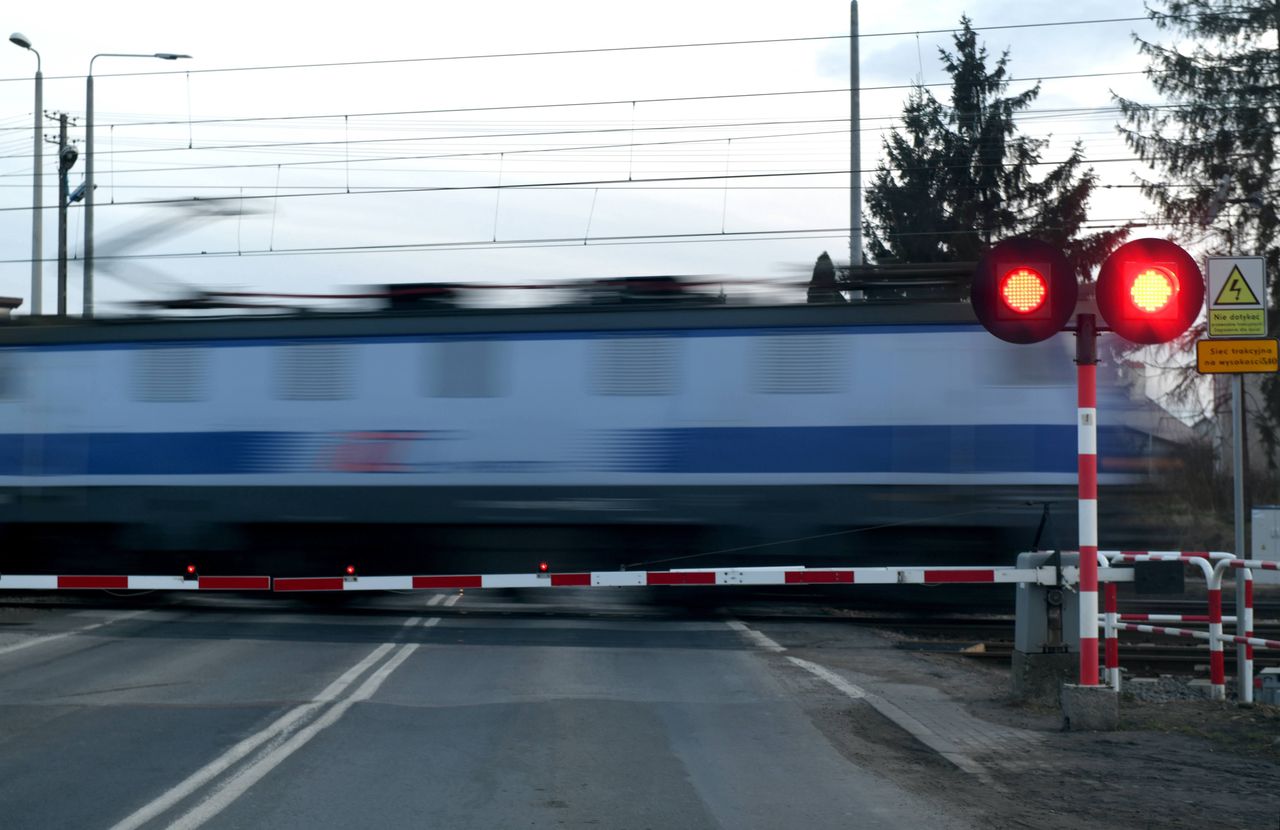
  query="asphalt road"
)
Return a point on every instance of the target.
[{"x": 417, "y": 710}]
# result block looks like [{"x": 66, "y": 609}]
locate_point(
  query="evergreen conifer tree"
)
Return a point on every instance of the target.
[
  {"x": 958, "y": 177},
  {"x": 1216, "y": 137}
]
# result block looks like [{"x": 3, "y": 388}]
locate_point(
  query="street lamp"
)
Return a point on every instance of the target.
[
  {"x": 88, "y": 166},
  {"x": 37, "y": 185}
]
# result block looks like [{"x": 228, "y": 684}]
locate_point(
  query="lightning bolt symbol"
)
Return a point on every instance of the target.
[{"x": 1236, "y": 290}]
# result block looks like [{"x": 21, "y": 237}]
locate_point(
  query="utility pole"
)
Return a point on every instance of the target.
[
  {"x": 67, "y": 155},
  {"x": 855, "y": 143}
]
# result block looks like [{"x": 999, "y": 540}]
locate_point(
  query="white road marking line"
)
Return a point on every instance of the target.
[
  {"x": 904, "y": 721},
  {"x": 452, "y": 600},
  {"x": 285, "y": 722},
  {"x": 761, "y": 640},
  {"x": 436, "y": 599},
  {"x": 49, "y": 638},
  {"x": 939, "y": 744},
  {"x": 238, "y": 785},
  {"x": 855, "y": 692}
]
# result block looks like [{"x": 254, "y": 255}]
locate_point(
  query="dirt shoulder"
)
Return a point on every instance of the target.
[{"x": 1176, "y": 764}]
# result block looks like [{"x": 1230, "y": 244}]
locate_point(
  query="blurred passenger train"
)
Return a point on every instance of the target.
[{"x": 465, "y": 440}]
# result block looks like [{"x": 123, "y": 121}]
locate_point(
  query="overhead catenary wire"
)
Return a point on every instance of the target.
[
  {"x": 489, "y": 152},
  {"x": 435, "y": 138},
  {"x": 577, "y": 182},
  {"x": 665, "y": 99},
  {"x": 595, "y": 50},
  {"x": 547, "y": 149},
  {"x": 454, "y": 188},
  {"x": 1027, "y": 114},
  {"x": 551, "y": 242},
  {"x": 668, "y": 99},
  {"x": 709, "y": 125}
]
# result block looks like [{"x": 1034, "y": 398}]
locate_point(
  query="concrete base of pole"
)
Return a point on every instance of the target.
[
  {"x": 1039, "y": 677},
  {"x": 1090, "y": 708}
]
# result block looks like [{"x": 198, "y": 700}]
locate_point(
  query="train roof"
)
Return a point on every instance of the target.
[{"x": 29, "y": 331}]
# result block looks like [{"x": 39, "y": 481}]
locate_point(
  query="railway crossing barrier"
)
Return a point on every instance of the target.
[
  {"x": 1047, "y": 639},
  {"x": 350, "y": 581}
]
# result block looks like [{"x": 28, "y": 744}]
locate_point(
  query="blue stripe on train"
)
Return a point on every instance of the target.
[
  {"x": 143, "y": 453},
  {"x": 987, "y": 448},
  {"x": 945, "y": 449}
]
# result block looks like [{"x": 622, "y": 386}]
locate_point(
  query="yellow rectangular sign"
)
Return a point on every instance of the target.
[{"x": 1236, "y": 356}]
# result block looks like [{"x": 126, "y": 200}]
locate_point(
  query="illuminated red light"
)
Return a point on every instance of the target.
[
  {"x": 543, "y": 567},
  {"x": 1153, "y": 289},
  {"x": 1023, "y": 290},
  {"x": 191, "y": 569},
  {"x": 1150, "y": 291},
  {"x": 351, "y": 570}
]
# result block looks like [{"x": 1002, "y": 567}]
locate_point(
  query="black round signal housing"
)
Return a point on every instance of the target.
[
  {"x": 1150, "y": 291},
  {"x": 1024, "y": 290}
]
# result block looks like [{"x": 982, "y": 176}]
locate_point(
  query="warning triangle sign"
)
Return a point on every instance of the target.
[{"x": 1236, "y": 290}]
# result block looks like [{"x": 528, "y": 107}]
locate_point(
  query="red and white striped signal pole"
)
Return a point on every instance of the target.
[{"x": 1087, "y": 476}]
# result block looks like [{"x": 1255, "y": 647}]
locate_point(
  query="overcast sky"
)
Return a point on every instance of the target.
[{"x": 301, "y": 217}]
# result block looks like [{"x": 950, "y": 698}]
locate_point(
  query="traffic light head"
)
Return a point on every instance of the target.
[
  {"x": 1150, "y": 291},
  {"x": 1024, "y": 290}
]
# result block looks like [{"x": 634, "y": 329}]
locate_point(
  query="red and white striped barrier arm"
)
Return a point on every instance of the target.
[
  {"x": 707, "y": 577},
  {"x": 1200, "y": 635},
  {"x": 39, "y": 582}
]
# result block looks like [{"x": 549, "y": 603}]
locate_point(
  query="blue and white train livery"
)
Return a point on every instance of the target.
[{"x": 483, "y": 440}]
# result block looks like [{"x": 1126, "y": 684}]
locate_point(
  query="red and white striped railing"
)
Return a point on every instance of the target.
[
  {"x": 1199, "y": 635},
  {"x": 1213, "y": 565}
]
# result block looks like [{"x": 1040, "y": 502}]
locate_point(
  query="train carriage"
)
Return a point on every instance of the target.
[{"x": 464, "y": 440}]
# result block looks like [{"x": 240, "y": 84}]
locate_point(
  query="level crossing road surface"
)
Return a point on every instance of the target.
[{"x": 487, "y": 709}]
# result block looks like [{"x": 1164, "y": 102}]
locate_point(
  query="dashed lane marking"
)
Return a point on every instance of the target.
[
  {"x": 452, "y": 600},
  {"x": 49, "y": 638},
  {"x": 436, "y": 599}
]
